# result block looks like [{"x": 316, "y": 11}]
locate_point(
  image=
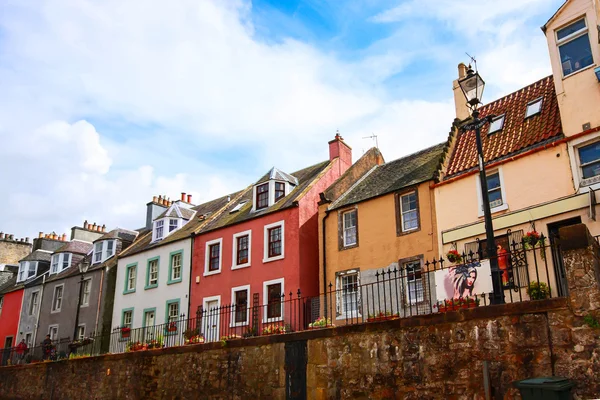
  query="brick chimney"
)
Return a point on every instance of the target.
[
  {"x": 460, "y": 102},
  {"x": 339, "y": 149}
]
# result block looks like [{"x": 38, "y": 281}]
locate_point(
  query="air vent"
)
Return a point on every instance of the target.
[{"x": 586, "y": 126}]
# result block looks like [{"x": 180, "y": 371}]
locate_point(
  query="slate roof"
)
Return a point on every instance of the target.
[
  {"x": 119, "y": 233},
  {"x": 186, "y": 213},
  {"x": 10, "y": 285},
  {"x": 394, "y": 175},
  {"x": 75, "y": 246},
  {"x": 38, "y": 255},
  {"x": 305, "y": 177},
  {"x": 518, "y": 134},
  {"x": 278, "y": 175}
]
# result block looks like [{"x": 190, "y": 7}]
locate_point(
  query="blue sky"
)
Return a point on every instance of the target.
[{"x": 107, "y": 103}]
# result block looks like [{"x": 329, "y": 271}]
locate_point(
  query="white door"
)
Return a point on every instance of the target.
[
  {"x": 149, "y": 323},
  {"x": 211, "y": 320}
]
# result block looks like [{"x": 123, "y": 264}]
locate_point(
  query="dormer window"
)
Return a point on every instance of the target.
[
  {"x": 574, "y": 47},
  {"x": 158, "y": 229},
  {"x": 279, "y": 191},
  {"x": 27, "y": 269},
  {"x": 60, "y": 262},
  {"x": 173, "y": 224},
  {"x": 497, "y": 124},
  {"x": 103, "y": 250},
  {"x": 534, "y": 107},
  {"x": 262, "y": 196}
]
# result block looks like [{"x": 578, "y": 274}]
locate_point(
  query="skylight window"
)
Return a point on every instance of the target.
[
  {"x": 496, "y": 124},
  {"x": 238, "y": 207},
  {"x": 534, "y": 108}
]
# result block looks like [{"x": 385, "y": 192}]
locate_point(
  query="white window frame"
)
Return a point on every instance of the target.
[
  {"x": 155, "y": 228},
  {"x": 234, "y": 255},
  {"x": 266, "y": 228},
  {"x": 50, "y": 329},
  {"x": 130, "y": 312},
  {"x": 504, "y": 205},
  {"x": 569, "y": 38},
  {"x": 154, "y": 262},
  {"x": 98, "y": 252},
  {"x": 176, "y": 225},
  {"x": 400, "y": 196},
  {"x": 58, "y": 259},
  {"x": 346, "y": 244},
  {"x": 245, "y": 288},
  {"x": 54, "y": 263},
  {"x": 79, "y": 337},
  {"x": 54, "y": 310},
  {"x": 409, "y": 299},
  {"x": 341, "y": 312},
  {"x": 499, "y": 121},
  {"x": 128, "y": 269},
  {"x": 104, "y": 250},
  {"x": 540, "y": 101},
  {"x": 176, "y": 317},
  {"x": 86, "y": 304},
  {"x": 33, "y": 311},
  {"x": 172, "y": 267},
  {"x": 271, "y": 198},
  {"x": 207, "y": 256},
  {"x": 29, "y": 339},
  {"x": 579, "y": 167},
  {"x": 266, "y": 300},
  {"x": 23, "y": 270}
]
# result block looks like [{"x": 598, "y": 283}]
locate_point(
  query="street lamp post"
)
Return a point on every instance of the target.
[
  {"x": 83, "y": 267},
  {"x": 472, "y": 87}
]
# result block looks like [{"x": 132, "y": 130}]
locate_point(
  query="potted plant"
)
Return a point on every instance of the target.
[
  {"x": 274, "y": 329},
  {"x": 472, "y": 302},
  {"x": 538, "y": 291},
  {"x": 441, "y": 306},
  {"x": 454, "y": 256},
  {"x": 196, "y": 339},
  {"x": 319, "y": 323},
  {"x": 531, "y": 239},
  {"x": 125, "y": 332},
  {"x": 172, "y": 327}
]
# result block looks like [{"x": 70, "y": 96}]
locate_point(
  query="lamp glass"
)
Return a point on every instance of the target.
[
  {"x": 472, "y": 86},
  {"x": 83, "y": 266}
]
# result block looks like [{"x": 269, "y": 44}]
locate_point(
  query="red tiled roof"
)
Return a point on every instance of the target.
[{"x": 517, "y": 134}]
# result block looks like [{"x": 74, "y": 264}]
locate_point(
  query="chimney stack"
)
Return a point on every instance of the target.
[
  {"x": 339, "y": 149},
  {"x": 460, "y": 102},
  {"x": 189, "y": 198}
]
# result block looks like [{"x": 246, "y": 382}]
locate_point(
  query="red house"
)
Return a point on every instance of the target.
[{"x": 262, "y": 246}]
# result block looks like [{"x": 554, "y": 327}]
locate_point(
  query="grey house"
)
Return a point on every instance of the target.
[{"x": 61, "y": 295}]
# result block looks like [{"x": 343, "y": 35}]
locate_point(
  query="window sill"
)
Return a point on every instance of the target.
[
  {"x": 238, "y": 324},
  {"x": 408, "y": 232},
  {"x": 208, "y": 273},
  {"x": 150, "y": 287},
  {"x": 344, "y": 317},
  {"x": 84, "y": 306},
  {"x": 593, "y": 65},
  {"x": 266, "y": 260},
  {"x": 351, "y": 246},
  {"x": 494, "y": 210},
  {"x": 128, "y": 291},
  {"x": 271, "y": 320},
  {"x": 54, "y": 311},
  {"x": 246, "y": 265},
  {"x": 172, "y": 282}
]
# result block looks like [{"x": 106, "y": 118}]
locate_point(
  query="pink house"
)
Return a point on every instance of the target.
[{"x": 263, "y": 245}]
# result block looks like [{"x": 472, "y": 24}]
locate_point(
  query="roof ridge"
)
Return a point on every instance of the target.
[
  {"x": 358, "y": 181},
  {"x": 427, "y": 149}
]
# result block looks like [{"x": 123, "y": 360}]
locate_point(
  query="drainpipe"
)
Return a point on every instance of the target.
[
  {"x": 37, "y": 317},
  {"x": 325, "y": 261},
  {"x": 190, "y": 285},
  {"x": 99, "y": 299}
]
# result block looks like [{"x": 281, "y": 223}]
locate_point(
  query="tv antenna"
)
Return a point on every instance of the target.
[
  {"x": 373, "y": 136},
  {"x": 473, "y": 60}
]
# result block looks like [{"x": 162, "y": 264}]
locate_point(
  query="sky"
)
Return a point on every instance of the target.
[{"x": 104, "y": 104}]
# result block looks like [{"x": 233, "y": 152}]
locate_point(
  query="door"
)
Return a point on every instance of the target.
[
  {"x": 8, "y": 343},
  {"x": 149, "y": 322},
  {"x": 295, "y": 370},
  {"x": 557, "y": 258},
  {"x": 211, "y": 320}
]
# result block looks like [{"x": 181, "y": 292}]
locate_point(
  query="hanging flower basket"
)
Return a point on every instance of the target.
[
  {"x": 454, "y": 256},
  {"x": 125, "y": 332},
  {"x": 531, "y": 239},
  {"x": 172, "y": 327}
]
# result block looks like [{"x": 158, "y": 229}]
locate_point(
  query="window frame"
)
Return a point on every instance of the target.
[
  {"x": 571, "y": 37},
  {"x": 342, "y": 228},
  {"x": 504, "y": 205},
  {"x": 60, "y": 262},
  {"x": 235, "y": 254},
  {"x": 539, "y": 100},
  {"x": 257, "y": 198},
  {"x": 103, "y": 250},
  {"x": 400, "y": 231},
  {"x": 83, "y": 333},
  {"x": 586, "y": 181},
  {"x": 172, "y": 256},
  {"x": 281, "y": 192},
  {"x": 168, "y": 317},
  {"x": 171, "y": 224},
  {"x": 341, "y": 312},
  {"x": 150, "y": 285},
  {"x": 207, "y": 256},
  {"x": 54, "y": 310},
  {"x": 50, "y": 328},
  {"x": 405, "y": 275},
  {"x": 155, "y": 230},
  {"x": 97, "y": 252},
  {"x": 89, "y": 281},
  {"x": 266, "y": 243},
  {"x": 234, "y": 290},
  {"x": 501, "y": 118},
  {"x": 31, "y": 310},
  {"x": 266, "y": 284},
  {"x": 123, "y": 312},
  {"x": 128, "y": 268}
]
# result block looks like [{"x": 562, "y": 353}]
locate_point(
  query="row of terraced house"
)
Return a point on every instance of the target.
[{"x": 328, "y": 231}]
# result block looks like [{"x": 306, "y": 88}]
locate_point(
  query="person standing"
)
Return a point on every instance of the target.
[
  {"x": 46, "y": 347},
  {"x": 21, "y": 351}
]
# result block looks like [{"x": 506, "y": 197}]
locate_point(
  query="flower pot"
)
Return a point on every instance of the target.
[
  {"x": 442, "y": 309},
  {"x": 125, "y": 334}
]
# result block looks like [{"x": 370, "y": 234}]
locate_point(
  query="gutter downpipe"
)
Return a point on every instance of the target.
[
  {"x": 189, "y": 300},
  {"x": 37, "y": 317},
  {"x": 100, "y": 299},
  {"x": 325, "y": 263}
]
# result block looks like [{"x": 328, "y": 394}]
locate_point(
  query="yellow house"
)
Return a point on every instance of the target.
[
  {"x": 542, "y": 155},
  {"x": 383, "y": 219}
]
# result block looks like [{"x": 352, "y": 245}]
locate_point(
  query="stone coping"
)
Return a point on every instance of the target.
[{"x": 483, "y": 312}]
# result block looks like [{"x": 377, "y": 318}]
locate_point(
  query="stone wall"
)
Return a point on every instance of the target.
[
  {"x": 11, "y": 251},
  {"x": 427, "y": 357}
]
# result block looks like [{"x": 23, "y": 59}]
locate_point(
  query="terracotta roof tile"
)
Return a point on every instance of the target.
[{"x": 517, "y": 134}]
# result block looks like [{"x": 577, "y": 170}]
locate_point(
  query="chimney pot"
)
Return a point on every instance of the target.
[
  {"x": 103, "y": 228},
  {"x": 64, "y": 237},
  {"x": 85, "y": 224},
  {"x": 462, "y": 70},
  {"x": 1, "y": 235},
  {"x": 27, "y": 239},
  {"x": 182, "y": 196},
  {"x": 189, "y": 198},
  {"x": 94, "y": 226},
  {"x": 154, "y": 199},
  {"x": 41, "y": 235}
]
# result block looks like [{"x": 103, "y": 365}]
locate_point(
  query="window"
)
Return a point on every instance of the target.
[
  {"x": 29, "y": 339},
  {"x": 496, "y": 124},
  {"x": 127, "y": 318},
  {"x": 32, "y": 269},
  {"x": 53, "y": 332},
  {"x": 1, "y": 304},
  {"x": 173, "y": 224},
  {"x": 175, "y": 267},
  {"x": 533, "y": 108},
  {"x": 262, "y": 196},
  {"x": 574, "y": 47},
  {"x": 158, "y": 229},
  {"x": 23, "y": 266},
  {"x": 85, "y": 292},
  {"x": 55, "y": 261},
  {"x": 130, "y": 278},
  {"x": 34, "y": 303},
  {"x": 274, "y": 241},
  {"x": 238, "y": 207},
  {"x": 494, "y": 190},
  {"x": 173, "y": 311},
  {"x": 98, "y": 252},
  {"x": 60, "y": 262},
  {"x": 110, "y": 248},
  {"x": 152, "y": 273},
  {"x": 80, "y": 332},
  {"x": 213, "y": 259},
  {"x": 414, "y": 281},
  {"x": 589, "y": 159},
  {"x": 349, "y": 228},
  {"x": 279, "y": 190},
  {"x": 273, "y": 297},
  {"x": 66, "y": 260},
  {"x": 57, "y": 298},
  {"x": 241, "y": 249},
  {"x": 239, "y": 297},
  {"x": 409, "y": 212},
  {"x": 348, "y": 293}
]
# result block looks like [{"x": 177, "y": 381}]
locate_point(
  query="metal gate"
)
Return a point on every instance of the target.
[{"x": 295, "y": 370}]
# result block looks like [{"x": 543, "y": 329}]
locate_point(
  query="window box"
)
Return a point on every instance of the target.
[
  {"x": 382, "y": 316},
  {"x": 172, "y": 327},
  {"x": 125, "y": 332}
]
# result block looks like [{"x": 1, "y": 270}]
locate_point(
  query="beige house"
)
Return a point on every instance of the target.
[{"x": 542, "y": 154}]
